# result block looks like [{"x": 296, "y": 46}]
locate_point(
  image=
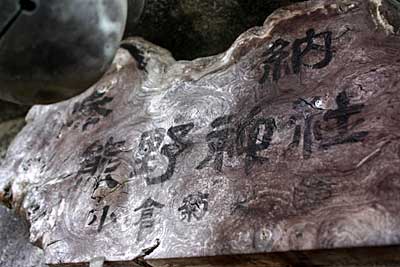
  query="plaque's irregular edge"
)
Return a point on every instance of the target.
[{"x": 16, "y": 251}]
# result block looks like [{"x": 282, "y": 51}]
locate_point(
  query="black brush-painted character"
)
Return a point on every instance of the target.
[
  {"x": 274, "y": 57},
  {"x": 148, "y": 157},
  {"x": 328, "y": 136},
  {"x": 146, "y": 221},
  {"x": 219, "y": 142},
  {"x": 150, "y": 142},
  {"x": 99, "y": 162},
  {"x": 93, "y": 108},
  {"x": 300, "y": 51},
  {"x": 342, "y": 116},
  {"x": 254, "y": 135},
  {"x": 172, "y": 151},
  {"x": 194, "y": 205},
  {"x": 277, "y": 55},
  {"x": 303, "y": 123},
  {"x": 93, "y": 217}
]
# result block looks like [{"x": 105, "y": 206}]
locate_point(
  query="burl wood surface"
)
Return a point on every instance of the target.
[{"x": 288, "y": 141}]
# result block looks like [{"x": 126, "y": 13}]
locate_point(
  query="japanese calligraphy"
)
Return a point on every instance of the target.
[
  {"x": 95, "y": 213},
  {"x": 148, "y": 154},
  {"x": 249, "y": 137},
  {"x": 317, "y": 127},
  {"x": 93, "y": 108},
  {"x": 146, "y": 221},
  {"x": 99, "y": 162},
  {"x": 303, "y": 50},
  {"x": 219, "y": 142},
  {"x": 172, "y": 151},
  {"x": 299, "y": 54},
  {"x": 342, "y": 116},
  {"x": 254, "y": 134},
  {"x": 302, "y": 120},
  {"x": 274, "y": 56},
  {"x": 194, "y": 205},
  {"x": 149, "y": 151}
]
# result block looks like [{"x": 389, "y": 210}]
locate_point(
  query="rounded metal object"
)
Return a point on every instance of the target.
[{"x": 51, "y": 50}]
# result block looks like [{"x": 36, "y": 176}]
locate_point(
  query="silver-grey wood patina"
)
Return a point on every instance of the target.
[
  {"x": 15, "y": 250},
  {"x": 288, "y": 141}
]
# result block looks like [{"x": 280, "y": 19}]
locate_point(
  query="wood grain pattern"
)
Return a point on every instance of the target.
[{"x": 286, "y": 142}]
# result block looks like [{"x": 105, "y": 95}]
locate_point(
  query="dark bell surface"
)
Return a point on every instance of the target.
[{"x": 53, "y": 50}]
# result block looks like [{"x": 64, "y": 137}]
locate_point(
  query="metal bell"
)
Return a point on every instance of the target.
[{"x": 51, "y": 50}]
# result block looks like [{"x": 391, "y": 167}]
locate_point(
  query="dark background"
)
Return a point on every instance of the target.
[
  {"x": 188, "y": 28},
  {"x": 198, "y": 28}
]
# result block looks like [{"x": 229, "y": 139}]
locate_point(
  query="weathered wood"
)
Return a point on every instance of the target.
[
  {"x": 286, "y": 142},
  {"x": 354, "y": 257},
  {"x": 15, "y": 250}
]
